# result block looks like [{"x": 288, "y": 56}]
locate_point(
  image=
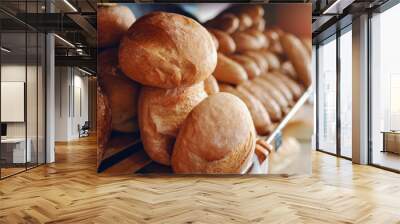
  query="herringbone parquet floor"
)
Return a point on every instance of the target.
[{"x": 70, "y": 191}]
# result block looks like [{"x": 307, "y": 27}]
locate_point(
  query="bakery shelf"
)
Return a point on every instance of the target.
[
  {"x": 258, "y": 168},
  {"x": 300, "y": 102}
]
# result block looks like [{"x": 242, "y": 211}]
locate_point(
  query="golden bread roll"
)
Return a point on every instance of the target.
[
  {"x": 275, "y": 43},
  {"x": 255, "y": 12},
  {"x": 262, "y": 121},
  {"x": 272, "y": 59},
  {"x": 294, "y": 87},
  {"x": 307, "y": 42},
  {"x": 258, "y": 35},
  {"x": 112, "y": 23},
  {"x": 226, "y": 43},
  {"x": 245, "y": 42},
  {"x": 215, "y": 40},
  {"x": 299, "y": 57},
  {"x": 288, "y": 69},
  {"x": 223, "y": 87},
  {"x": 274, "y": 92},
  {"x": 161, "y": 113},
  {"x": 280, "y": 85},
  {"x": 226, "y": 22},
  {"x": 268, "y": 102},
  {"x": 229, "y": 71},
  {"x": 248, "y": 64},
  {"x": 103, "y": 122},
  {"x": 158, "y": 50},
  {"x": 122, "y": 92},
  {"x": 259, "y": 59},
  {"x": 211, "y": 85},
  {"x": 245, "y": 21},
  {"x": 218, "y": 136},
  {"x": 259, "y": 25}
]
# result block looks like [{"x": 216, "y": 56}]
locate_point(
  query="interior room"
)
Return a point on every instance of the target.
[{"x": 213, "y": 112}]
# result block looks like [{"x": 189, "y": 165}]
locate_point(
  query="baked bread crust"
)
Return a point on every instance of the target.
[
  {"x": 167, "y": 50},
  {"x": 161, "y": 113},
  {"x": 218, "y": 136},
  {"x": 112, "y": 23}
]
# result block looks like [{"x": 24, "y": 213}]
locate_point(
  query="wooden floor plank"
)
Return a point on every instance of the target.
[{"x": 70, "y": 191}]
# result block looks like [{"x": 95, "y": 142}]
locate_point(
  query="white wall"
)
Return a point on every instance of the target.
[{"x": 70, "y": 84}]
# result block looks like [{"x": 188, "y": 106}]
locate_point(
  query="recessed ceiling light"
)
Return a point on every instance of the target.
[
  {"x": 70, "y": 5},
  {"x": 5, "y": 50},
  {"x": 64, "y": 40},
  {"x": 84, "y": 71}
]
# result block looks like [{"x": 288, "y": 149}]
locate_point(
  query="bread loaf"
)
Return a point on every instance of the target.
[
  {"x": 226, "y": 22},
  {"x": 262, "y": 121},
  {"x": 274, "y": 92},
  {"x": 112, "y": 23},
  {"x": 280, "y": 85},
  {"x": 299, "y": 57},
  {"x": 211, "y": 85},
  {"x": 262, "y": 40},
  {"x": 223, "y": 87},
  {"x": 122, "y": 92},
  {"x": 245, "y": 21},
  {"x": 288, "y": 69},
  {"x": 307, "y": 42},
  {"x": 226, "y": 43},
  {"x": 259, "y": 25},
  {"x": 103, "y": 122},
  {"x": 255, "y": 12},
  {"x": 248, "y": 64},
  {"x": 259, "y": 59},
  {"x": 294, "y": 87},
  {"x": 268, "y": 102},
  {"x": 161, "y": 113},
  {"x": 158, "y": 51},
  {"x": 229, "y": 71},
  {"x": 215, "y": 40},
  {"x": 218, "y": 136},
  {"x": 272, "y": 59},
  {"x": 246, "y": 42},
  {"x": 275, "y": 42}
]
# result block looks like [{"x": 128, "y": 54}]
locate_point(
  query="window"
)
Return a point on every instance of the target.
[
  {"x": 346, "y": 92},
  {"x": 327, "y": 96},
  {"x": 385, "y": 89}
]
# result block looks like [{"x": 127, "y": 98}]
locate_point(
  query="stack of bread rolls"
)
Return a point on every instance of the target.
[
  {"x": 267, "y": 68},
  {"x": 157, "y": 76}
]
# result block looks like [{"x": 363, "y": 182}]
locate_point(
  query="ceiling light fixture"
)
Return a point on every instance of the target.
[
  {"x": 70, "y": 5},
  {"x": 5, "y": 50},
  {"x": 337, "y": 7},
  {"x": 65, "y": 41},
  {"x": 84, "y": 71}
]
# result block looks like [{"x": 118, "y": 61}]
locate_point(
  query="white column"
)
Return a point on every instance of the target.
[
  {"x": 50, "y": 99},
  {"x": 360, "y": 90}
]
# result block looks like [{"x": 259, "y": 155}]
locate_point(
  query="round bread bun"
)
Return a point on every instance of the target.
[
  {"x": 103, "y": 122},
  {"x": 218, "y": 136},
  {"x": 161, "y": 113},
  {"x": 167, "y": 50},
  {"x": 122, "y": 92},
  {"x": 211, "y": 85},
  {"x": 112, "y": 23}
]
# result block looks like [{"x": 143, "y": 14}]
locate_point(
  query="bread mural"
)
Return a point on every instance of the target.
[{"x": 179, "y": 95}]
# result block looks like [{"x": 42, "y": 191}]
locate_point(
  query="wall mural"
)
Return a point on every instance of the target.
[{"x": 207, "y": 88}]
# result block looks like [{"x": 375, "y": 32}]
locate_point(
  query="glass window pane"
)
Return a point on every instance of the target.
[
  {"x": 13, "y": 86},
  {"x": 346, "y": 93},
  {"x": 327, "y": 96},
  {"x": 385, "y": 89}
]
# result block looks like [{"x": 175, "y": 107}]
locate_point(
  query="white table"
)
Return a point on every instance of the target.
[{"x": 17, "y": 147}]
